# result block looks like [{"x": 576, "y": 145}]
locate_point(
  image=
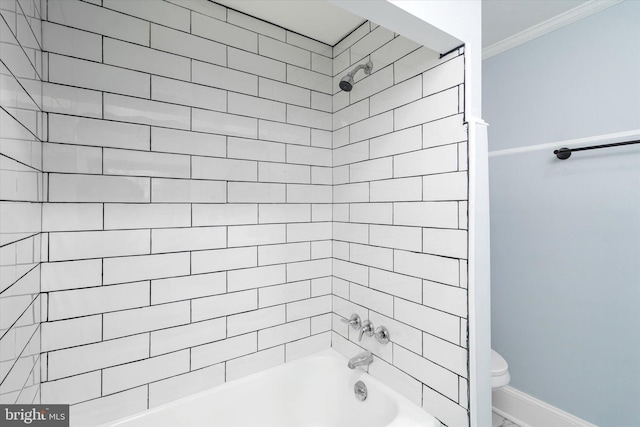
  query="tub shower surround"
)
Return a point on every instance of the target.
[
  {"x": 213, "y": 205},
  {"x": 21, "y": 194}
]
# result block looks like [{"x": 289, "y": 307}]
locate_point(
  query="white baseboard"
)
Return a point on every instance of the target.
[{"x": 527, "y": 411}]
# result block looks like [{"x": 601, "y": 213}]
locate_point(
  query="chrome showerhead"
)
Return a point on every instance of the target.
[{"x": 347, "y": 82}]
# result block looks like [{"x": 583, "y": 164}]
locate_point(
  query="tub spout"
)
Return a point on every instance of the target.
[{"x": 362, "y": 359}]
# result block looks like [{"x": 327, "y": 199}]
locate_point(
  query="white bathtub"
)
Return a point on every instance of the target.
[{"x": 315, "y": 391}]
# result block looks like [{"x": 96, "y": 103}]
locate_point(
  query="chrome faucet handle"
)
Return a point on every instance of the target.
[
  {"x": 354, "y": 321},
  {"x": 382, "y": 335},
  {"x": 367, "y": 328}
]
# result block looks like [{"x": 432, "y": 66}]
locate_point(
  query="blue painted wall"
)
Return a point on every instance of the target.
[{"x": 565, "y": 235}]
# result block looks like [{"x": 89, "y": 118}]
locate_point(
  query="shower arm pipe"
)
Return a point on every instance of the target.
[
  {"x": 366, "y": 67},
  {"x": 564, "y": 153}
]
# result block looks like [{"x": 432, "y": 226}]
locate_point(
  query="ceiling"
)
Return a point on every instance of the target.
[{"x": 329, "y": 23}]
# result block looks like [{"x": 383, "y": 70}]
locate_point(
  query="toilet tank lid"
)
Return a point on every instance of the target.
[{"x": 499, "y": 366}]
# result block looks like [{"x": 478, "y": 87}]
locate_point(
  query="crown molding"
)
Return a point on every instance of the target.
[{"x": 547, "y": 26}]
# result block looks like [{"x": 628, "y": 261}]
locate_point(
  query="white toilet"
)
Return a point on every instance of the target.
[{"x": 499, "y": 371}]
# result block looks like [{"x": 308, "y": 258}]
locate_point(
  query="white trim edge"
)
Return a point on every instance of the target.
[
  {"x": 527, "y": 411},
  {"x": 547, "y": 26},
  {"x": 570, "y": 143}
]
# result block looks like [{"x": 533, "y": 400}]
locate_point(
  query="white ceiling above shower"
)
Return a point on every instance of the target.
[{"x": 318, "y": 19}]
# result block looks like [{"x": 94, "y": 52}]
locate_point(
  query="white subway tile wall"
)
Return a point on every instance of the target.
[
  {"x": 22, "y": 131},
  {"x": 400, "y": 215},
  {"x": 188, "y": 206},
  {"x": 212, "y": 204}
]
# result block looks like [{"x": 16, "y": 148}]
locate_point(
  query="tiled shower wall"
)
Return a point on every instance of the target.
[
  {"x": 21, "y": 135},
  {"x": 188, "y": 214},
  {"x": 400, "y": 216}
]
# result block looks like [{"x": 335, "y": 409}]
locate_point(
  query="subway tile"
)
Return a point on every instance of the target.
[
  {"x": 407, "y": 287},
  {"x": 128, "y": 269},
  {"x": 309, "y": 79},
  {"x": 321, "y": 249},
  {"x": 351, "y": 114},
  {"x": 130, "y": 322},
  {"x": 284, "y": 253},
  {"x": 188, "y": 239},
  {"x": 256, "y": 25},
  {"x": 450, "y": 299},
  {"x": 450, "y": 243},
  {"x": 307, "y": 346},
  {"x": 193, "y": 334},
  {"x": 133, "y": 374},
  {"x": 309, "y": 155},
  {"x": 415, "y": 63},
  {"x": 187, "y": 287},
  {"x": 361, "y": 31},
  {"x": 57, "y": 276},
  {"x": 396, "y": 190},
  {"x": 211, "y": 9},
  {"x": 281, "y": 334},
  {"x": 99, "y": 20},
  {"x": 350, "y": 193},
  {"x": 256, "y": 64},
  {"x": 435, "y": 322},
  {"x": 371, "y": 256},
  {"x": 444, "y": 381},
  {"x": 71, "y": 41},
  {"x": 308, "y": 270},
  {"x": 281, "y": 294},
  {"x": 71, "y": 333},
  {"x": 144, "y": 163},
  {"x": 99, "y": 299},
  {"x": 251, "y": 149},
  {"x": 170, "y": 389},
  {"x": 258, "y": 277},
  {"x": 225, "y": 124},
  {"x": 463, "y": 215},
  {"x": 224, "y": 305},
  {"x": 321, "y": 101},
  {"x": 156, "y": 215},
  {"x": 352, "y": 272},
  {"x": 282, "y": 132},
  {"x": 430, "y": 267},
  {"x": 446, "y": 410},
  {"x": 225, "y": 214},
  {"x": 321, "y": 138},
  {"x": 372, "y": 213},
  {"x": 309, "y": 44},
  {"x": 222, "y": 32},
  {"x": 444, "y": 76},
  {"x": 180, "y": 43},
  {"x": 404, "y": 335},
  {"x": 140, "y": 58},
  {"x": 351, "y": 153},
  {"x": 250, "y": 321},
  {"x": 189, "y": 94},
  {"x": 372, "y": 299},
  {"x": 397, "y": 95},
  {"x": 398, "y": 380},
  {"x": 398, "y": 142},
  {"x": 445, "y": 354},
  {"x": 351, "y": 232},
  {"x": 392, "y": 51},
  {"x": 307, "y": 117},
  {"x": 284, "y": 52},
  {"x": 446, "y": 186},
  {"x": 366, "y": 86},
  {"x": 117, "y": 405},
  {"x": 284, "y": 213},
  {"x": 255, "y": 362},
  {"x": 321, "y": 286},
  {"x": 371, "y": 170},
  {"x": 321, "y": 175},
  {"x": 224, "y": 78},
  {"x": 308, "y": 308},
  {"x": 100, "y": 133},
  {"x": 97, "y": 244},
  {"x": 223, "y": 350},
  {"x": 283, "y": 92},
  {"x": 127, "y": 109},
  {"x": 321, "y": 64},
  {"x": 249, "y": 235},
  {"x": 72, "y": 390},
  {"x": 256, "y": 107},
  {"x": 305, "y": 232},
  {"x": 77, "y": 360},
  {"x": 92, "y": 75},
  {"x": 426, "y": 214},
  {"x": 427, "y": 109},
  {"x": 370, "y": 43},
  {"x": 372, "y": 127},
  {"x": 444, "y": 131},
  {"x": 71, "y": 100},
  {"x": 426, "y": 162},
  {"x": 224, "y": 169},
  {"x": 188, "y": 191},
  {"x": 248, "y": 192},
  {"x": 223, "y": 259},
  {"x": 163, "y": 13},
  {"x": 321, "y": 323},
  {"x": 341, "y": 176},
  {"x": 300, "y": 193},
  {"x": 71, "y": 159},
  {"x": 71, "y": 216}
]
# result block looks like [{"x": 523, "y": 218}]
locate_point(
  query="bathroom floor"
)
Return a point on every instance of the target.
[{"x": 498, "y": 421}]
